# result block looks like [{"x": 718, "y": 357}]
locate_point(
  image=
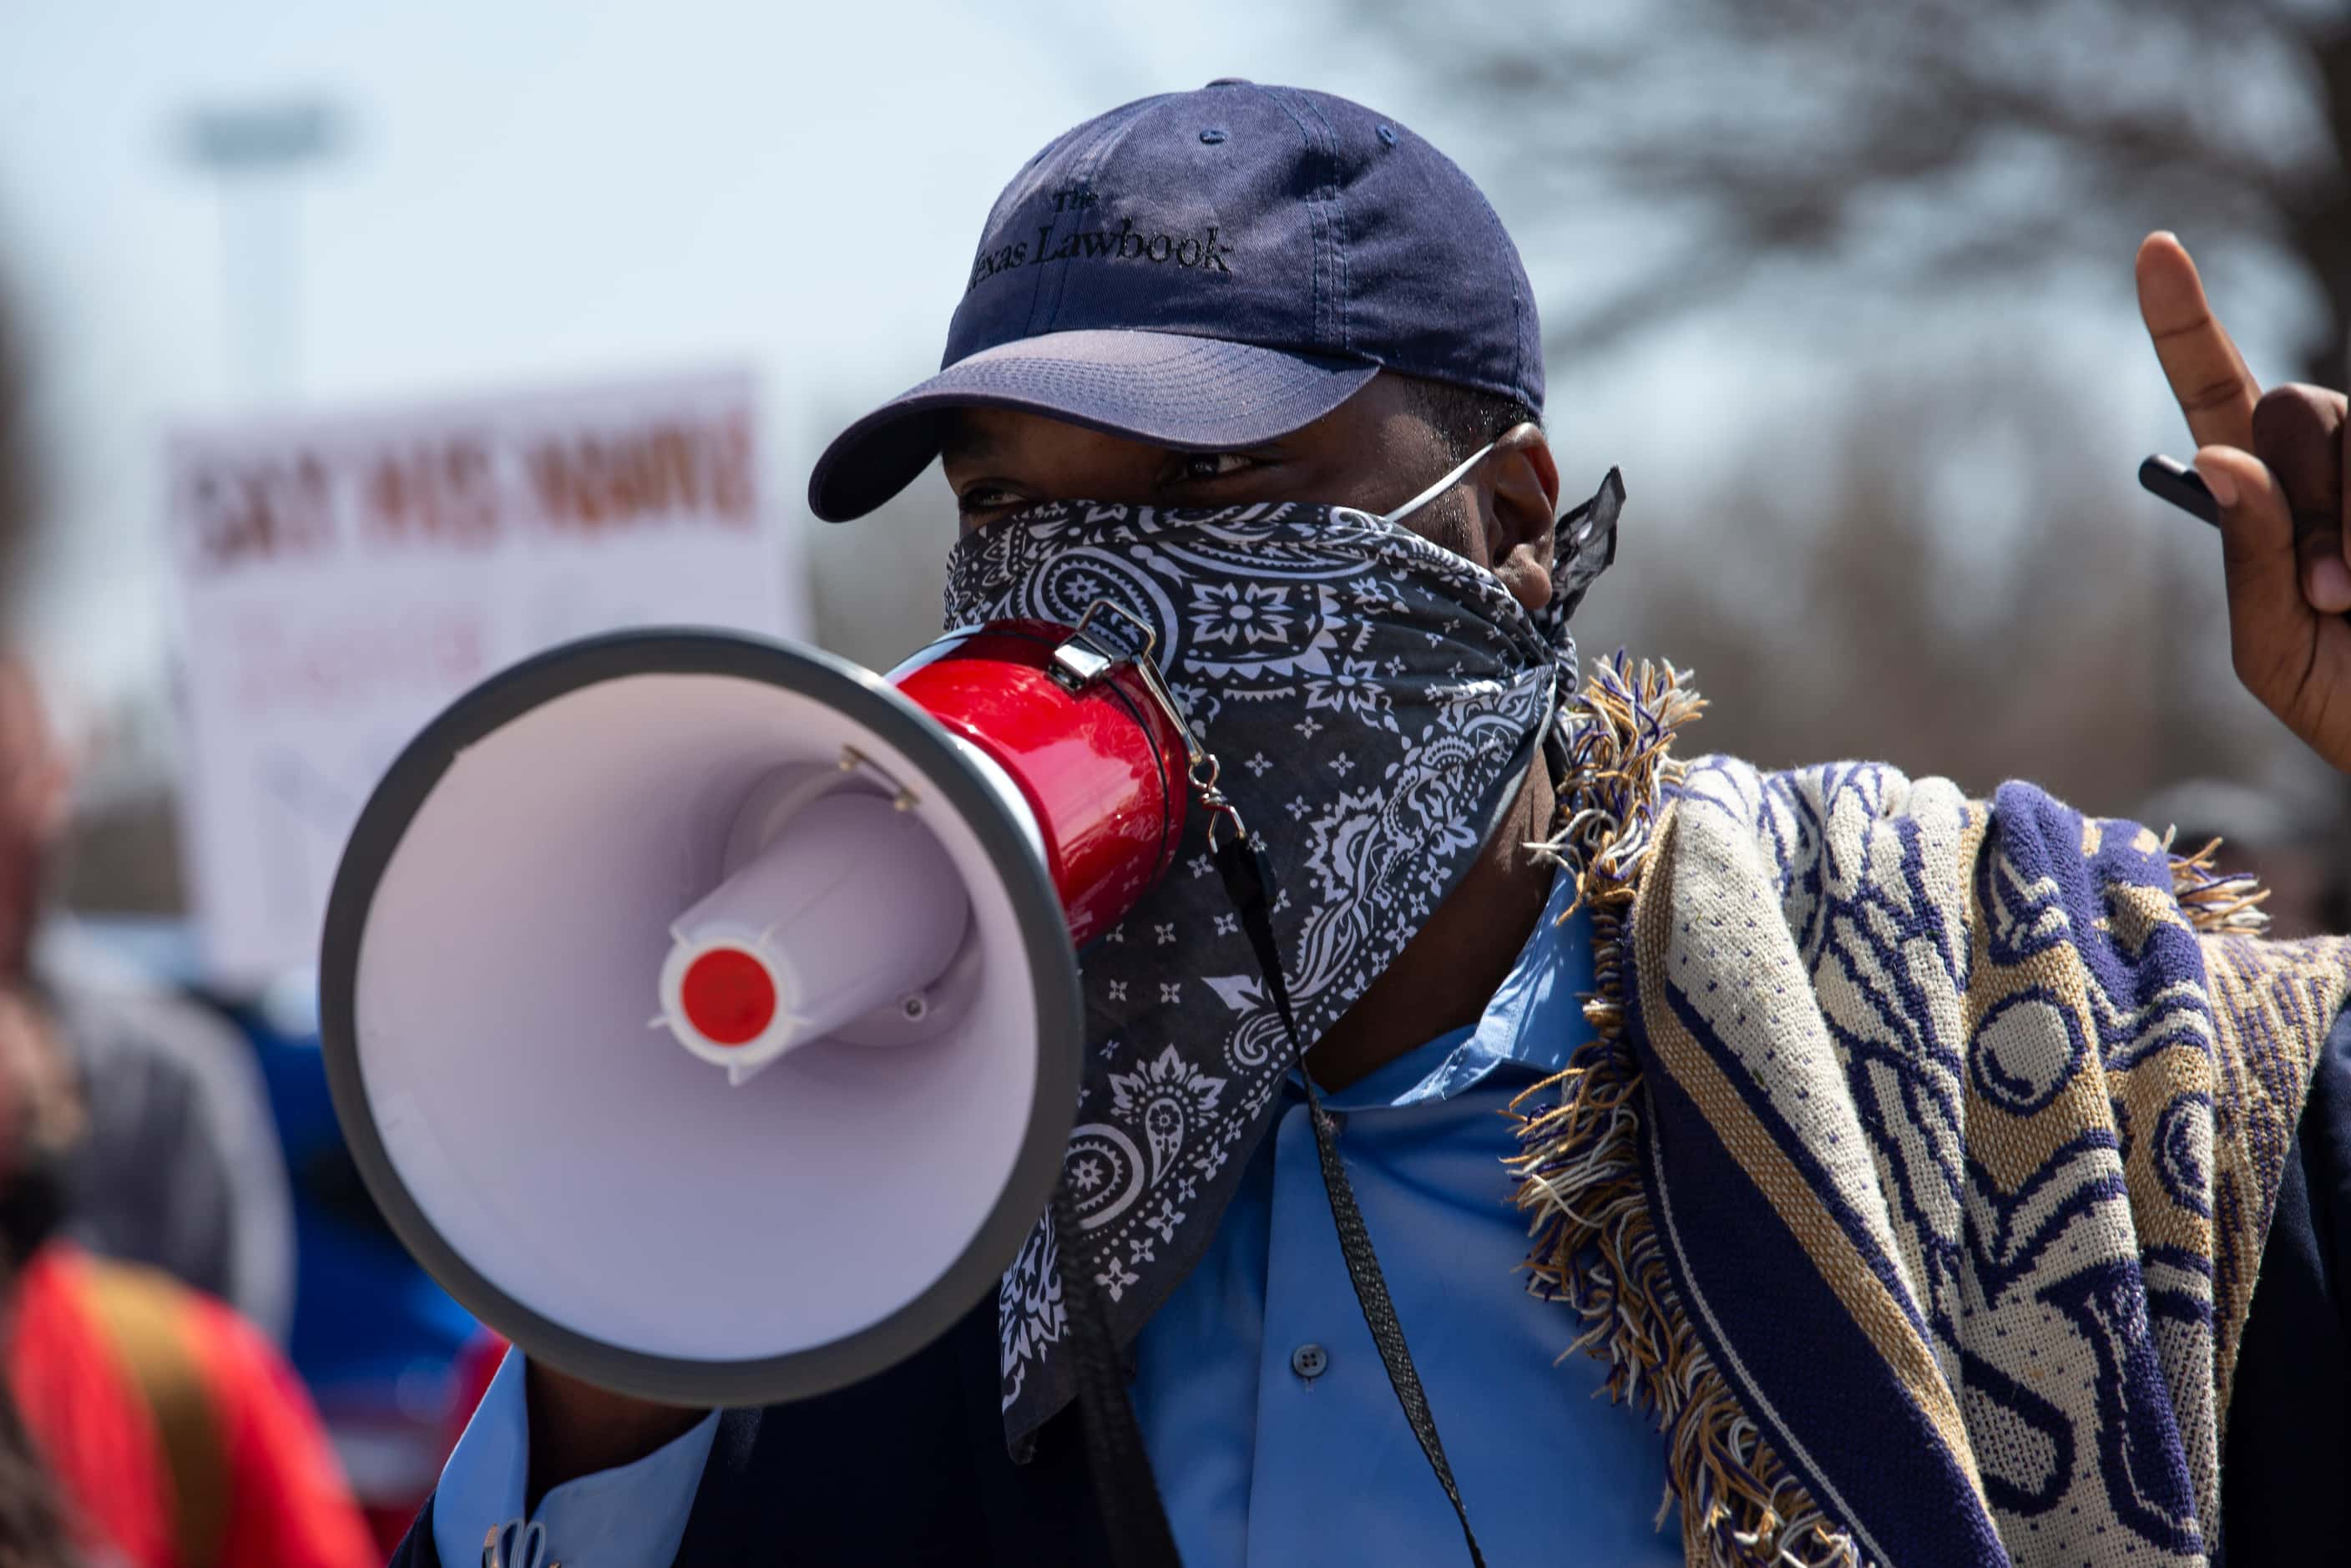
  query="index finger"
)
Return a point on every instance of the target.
[{"x": 2209, "y": 377}]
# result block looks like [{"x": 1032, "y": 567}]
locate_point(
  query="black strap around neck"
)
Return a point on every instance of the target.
[
  {"x": 1133, "y": 1514},
  {"x": 1242, "y": 865}
]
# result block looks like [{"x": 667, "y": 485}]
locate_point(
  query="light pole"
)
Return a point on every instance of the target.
[{"x": 254, "y": 152}]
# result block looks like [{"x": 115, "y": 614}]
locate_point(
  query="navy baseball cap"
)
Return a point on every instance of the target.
[{"x": 1207, "y": 270}]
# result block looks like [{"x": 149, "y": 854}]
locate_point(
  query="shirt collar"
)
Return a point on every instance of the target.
[{"x": 1533, "y": 1023}]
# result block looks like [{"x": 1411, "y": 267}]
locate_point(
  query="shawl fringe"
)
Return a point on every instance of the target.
[
  {"x": 1593, "y": 1246},
  {"x": 2223, "y": 903}
]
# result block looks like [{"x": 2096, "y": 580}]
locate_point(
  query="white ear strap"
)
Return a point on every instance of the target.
[{"x": 1425, "y": 496}]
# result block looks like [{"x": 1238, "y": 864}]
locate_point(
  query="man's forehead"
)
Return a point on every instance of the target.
[
  {"x": 985, "y": 434},
  {"x": 982, "y": 432}
]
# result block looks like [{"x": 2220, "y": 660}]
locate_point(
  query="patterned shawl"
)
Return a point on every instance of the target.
[{"x": 1918, "y": 1171}]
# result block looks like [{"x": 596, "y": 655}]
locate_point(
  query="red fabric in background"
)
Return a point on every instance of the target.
[
  {"x": 91, "y": 1426},
  {"x": 289, "y": 1507}
]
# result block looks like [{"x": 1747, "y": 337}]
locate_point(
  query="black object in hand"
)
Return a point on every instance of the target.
[{"x": 2180, "y": 485}]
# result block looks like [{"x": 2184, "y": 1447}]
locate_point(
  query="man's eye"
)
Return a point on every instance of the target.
[
  {"x": 986, "y": 498},
  {"x": 1199, "y": 466}
]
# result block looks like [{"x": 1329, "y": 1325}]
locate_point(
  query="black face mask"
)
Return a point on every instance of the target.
[
  {"x": 32, "y": 1204},
  {"x": 1375, "y": 701}
]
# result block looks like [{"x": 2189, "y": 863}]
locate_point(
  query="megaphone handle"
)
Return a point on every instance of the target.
[{"x": 1241, "y": 863}]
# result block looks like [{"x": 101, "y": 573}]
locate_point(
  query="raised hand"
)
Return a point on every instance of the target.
[{"x": 2274, "y": 464}]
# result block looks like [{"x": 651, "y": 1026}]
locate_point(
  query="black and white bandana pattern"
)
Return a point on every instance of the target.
[{"x": 1374, "y": 700}]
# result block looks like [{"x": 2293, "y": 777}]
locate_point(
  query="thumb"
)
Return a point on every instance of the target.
[{"x": 2270, "y": 562}]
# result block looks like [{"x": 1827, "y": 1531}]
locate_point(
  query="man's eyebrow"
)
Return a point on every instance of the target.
[{"x": 965, "y": 440}]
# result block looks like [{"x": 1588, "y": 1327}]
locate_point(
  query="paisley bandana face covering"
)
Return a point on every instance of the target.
[{"x": 1375, "y": 701}]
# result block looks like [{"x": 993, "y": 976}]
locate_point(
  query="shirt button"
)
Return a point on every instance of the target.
[{"x": 1310, "y": 1361}]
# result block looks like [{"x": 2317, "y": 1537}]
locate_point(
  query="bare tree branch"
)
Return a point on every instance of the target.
[{"x": 1786, "y": 128}]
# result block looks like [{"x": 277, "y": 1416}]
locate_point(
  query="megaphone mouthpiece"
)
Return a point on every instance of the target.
[
  {"x": 726, "y": 996},
  {"x": 848, "y": 905}
]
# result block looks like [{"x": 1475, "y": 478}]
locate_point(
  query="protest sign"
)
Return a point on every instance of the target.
[{"x": 342, "y": 579}]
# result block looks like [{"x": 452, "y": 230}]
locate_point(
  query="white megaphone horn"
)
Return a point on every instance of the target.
[{"x": 702, "y": 1010}]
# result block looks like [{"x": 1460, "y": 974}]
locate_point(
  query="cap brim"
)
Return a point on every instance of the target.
[{"x": 1201, "y": 395}]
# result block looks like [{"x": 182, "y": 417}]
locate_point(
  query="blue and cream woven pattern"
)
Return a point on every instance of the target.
[{"x": 1918, "y": 1171}]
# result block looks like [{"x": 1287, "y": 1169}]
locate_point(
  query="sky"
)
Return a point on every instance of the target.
[
  {"x": 529, "y": 195},
  {"x": 532, "y": 195}
]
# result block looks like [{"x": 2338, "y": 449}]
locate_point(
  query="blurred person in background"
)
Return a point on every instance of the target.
[
  {"x": 1917, "y": 1179},
  {"x": 180, "y": 1167},
  {"x": 32, "y": 1531},
  {"x": 165, "y": 1430},
  {"x": 175, "y": 1435}
]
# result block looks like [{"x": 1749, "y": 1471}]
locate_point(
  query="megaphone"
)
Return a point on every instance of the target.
[{"x": 702, "y": 1010}]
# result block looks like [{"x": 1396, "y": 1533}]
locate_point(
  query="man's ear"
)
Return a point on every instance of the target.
[{"x": 1521, "y": 499}]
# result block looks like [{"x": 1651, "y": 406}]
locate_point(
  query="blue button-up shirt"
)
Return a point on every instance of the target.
[{"x": 1264, "y": 1406}]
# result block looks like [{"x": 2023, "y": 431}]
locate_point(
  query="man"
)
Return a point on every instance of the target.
[{"x": 1241, "y": 298}]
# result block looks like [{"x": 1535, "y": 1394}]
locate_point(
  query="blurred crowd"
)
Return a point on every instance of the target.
[{"x": 215, "y": 1353}]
